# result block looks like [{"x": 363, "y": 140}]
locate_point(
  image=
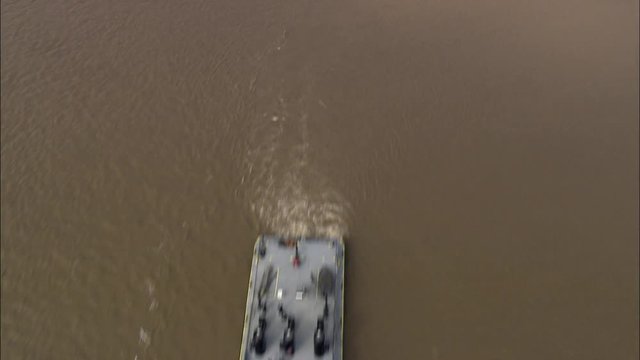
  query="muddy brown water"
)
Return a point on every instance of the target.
[{"x": 481, "y": 159}]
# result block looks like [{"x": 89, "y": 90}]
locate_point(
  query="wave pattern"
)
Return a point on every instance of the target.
[{"x": 286, "y": 194}]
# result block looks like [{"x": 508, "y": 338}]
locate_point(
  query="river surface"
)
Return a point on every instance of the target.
[{"x": 479, "y": 157}]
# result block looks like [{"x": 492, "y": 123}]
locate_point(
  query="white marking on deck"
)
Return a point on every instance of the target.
[{"x": 275, "y": 292}]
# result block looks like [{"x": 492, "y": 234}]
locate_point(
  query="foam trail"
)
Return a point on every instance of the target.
[{"x": 284, "y": 192}]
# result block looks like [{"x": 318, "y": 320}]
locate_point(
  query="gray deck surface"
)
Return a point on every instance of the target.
[{"x": 314, "y": 253}]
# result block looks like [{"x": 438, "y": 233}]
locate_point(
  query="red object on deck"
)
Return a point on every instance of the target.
[{"x": 296, "y": 258}]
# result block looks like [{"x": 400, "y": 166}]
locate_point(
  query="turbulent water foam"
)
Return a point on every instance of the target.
[{"x": 286, "y": 194}]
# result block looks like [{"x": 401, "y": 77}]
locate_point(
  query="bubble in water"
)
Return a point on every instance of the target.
[{"x": 144, "y": 337}]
